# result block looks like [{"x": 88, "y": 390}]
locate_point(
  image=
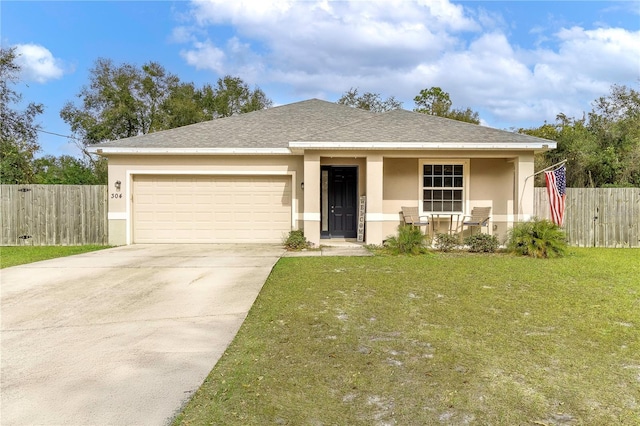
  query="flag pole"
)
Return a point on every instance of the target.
[
  {"x": 545, "y": 169},
  {"x": 537, "y": 173}
]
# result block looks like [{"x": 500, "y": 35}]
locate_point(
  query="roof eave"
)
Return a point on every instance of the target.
[
  {"x": 301, "y": 146},
  {"x": 107, "y": 151}
]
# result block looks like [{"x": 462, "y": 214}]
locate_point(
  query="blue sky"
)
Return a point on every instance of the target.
[{"x": 518, "y": 63}]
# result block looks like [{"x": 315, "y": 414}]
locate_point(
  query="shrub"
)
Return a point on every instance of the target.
[
  {"x": 410, "y": 240},
  {"x": 482, "y": 243},
  {"x": 537, "y": 238},
  {"x": 447, "y": 242},
  {"x": 296, "y": 241}
]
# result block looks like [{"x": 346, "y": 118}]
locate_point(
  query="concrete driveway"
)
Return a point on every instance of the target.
[{"x": 122, "y": 336}]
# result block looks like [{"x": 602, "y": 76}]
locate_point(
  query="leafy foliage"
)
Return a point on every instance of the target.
[
  {"x": 18, "y": 132},
  {"x": 124, "y": 100},
  {"x": 232, "y": 96},
  {"x": 446, "y": 242},
  {"x": 296, "y": 241},
  {"x": 537, "y": 238},
  {"x": 68, "y": 170},
  {"x": 482, "y": 243},
  {"x": 435, "y": 101},
  {"x": 602, "y": 148},
  {"x": 410, "y": 240},
  {"x": 368, "y": 101}
]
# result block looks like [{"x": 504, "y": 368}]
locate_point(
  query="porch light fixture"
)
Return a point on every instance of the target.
[
  {"x": 302, "y": 185},
  {"x": 118, "y": 185}
]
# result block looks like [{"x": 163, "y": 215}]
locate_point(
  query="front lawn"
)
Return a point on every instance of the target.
[
  {"x": 13, "y": 256},
  {"x": 444, "y": 339}
]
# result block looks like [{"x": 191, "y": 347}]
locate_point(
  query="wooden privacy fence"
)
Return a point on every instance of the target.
[
  {"x": 42, "y": 215},
  {"x": 597, "y": 217},
  {"x": 77, "y": 214}
]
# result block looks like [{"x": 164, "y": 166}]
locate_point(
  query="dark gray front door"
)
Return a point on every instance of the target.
[{"x": 342, "y": 202}]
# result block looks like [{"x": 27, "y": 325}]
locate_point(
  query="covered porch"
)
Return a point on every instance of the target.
[{"x": 443, "y": 185}]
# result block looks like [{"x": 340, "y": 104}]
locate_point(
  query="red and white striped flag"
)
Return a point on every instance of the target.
[{"x": 557, "y": 188}]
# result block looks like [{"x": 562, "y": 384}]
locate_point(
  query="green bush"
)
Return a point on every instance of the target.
[
  {"x": 447, "y": 242},
  {"x": 410, "y": 240},
  {"x": 296, "y": 241},
  {"x": 482, "y": 243},
  {"x": 537, "y": 238}
]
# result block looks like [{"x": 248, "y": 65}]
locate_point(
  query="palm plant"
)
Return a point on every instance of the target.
[
  {"x": 537, "y": 238},
  {"x": 410, "y": 240}
]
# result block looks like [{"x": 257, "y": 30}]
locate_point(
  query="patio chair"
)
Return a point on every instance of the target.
[
  {"x": 479, "y": 217},
  {"x": 411, "y": 217}
]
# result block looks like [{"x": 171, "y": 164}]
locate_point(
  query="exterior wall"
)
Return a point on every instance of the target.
[
  {"x": 496, "y": 179},
  {"x": 491, "y": 185},
  {"x": 123, "y": 168},
  {"x": 374, "y": 218},
  {"x": 117, "y": 232},
  {"x": 524, "y": 190},
  {"x": 400, "y": 189},
  {"x": 491, "y": 182},
  {"x": 312, "y": 198}
]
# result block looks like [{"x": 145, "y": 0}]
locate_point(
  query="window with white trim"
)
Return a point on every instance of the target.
[{"x": 443, "y": 188}]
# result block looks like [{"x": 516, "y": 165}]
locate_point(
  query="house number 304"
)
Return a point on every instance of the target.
[{"x": 116, "y": 195}]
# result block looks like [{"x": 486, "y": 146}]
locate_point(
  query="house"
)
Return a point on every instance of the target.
[{"x": 256, "y": 176}]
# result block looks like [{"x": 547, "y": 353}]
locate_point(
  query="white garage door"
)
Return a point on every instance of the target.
[{"x": 211, "y": 209}]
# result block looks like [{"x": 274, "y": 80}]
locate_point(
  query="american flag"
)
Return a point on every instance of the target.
[{"x": 557, "y": 188}]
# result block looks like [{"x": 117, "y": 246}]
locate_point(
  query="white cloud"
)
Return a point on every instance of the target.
[
  {"x": 37, "y": 63},
  {"x": 353, "y": 38},
  {"x": 205, "y": 55},
  {"x": 322, "y": 48},
  {"x": 182, "y": 35}
]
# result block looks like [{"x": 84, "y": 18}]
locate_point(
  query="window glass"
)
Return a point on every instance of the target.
[{"x": 443, "y": 187}]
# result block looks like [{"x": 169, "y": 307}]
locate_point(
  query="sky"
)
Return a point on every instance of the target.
[{"x": 517, "y": 63}]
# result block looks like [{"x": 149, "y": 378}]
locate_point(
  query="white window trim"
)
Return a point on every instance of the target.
[{"x": 465, "y": 182}]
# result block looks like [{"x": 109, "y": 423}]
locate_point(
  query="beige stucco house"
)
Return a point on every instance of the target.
[{"x": 254, "y": 177}]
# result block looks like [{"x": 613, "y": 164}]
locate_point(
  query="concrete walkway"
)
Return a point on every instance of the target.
[
  {"x": 122, "y": 336},
  {"x": 333, "y": 248}
]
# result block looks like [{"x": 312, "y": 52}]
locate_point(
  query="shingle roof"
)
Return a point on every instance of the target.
[
  {"x": 406, "y": 126},
  {"x": 268, "y": 128},
  {"x": 315, "y": 120}
]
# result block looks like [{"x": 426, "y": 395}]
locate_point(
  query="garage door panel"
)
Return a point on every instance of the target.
[{"x": 201, "y": 209}]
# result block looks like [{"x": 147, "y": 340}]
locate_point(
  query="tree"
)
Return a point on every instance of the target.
[
  {"x": 435, "y": 101},
  {"x": 603, "y": 147},
  {"x": 183, "y": 106},
  {"x": 232, "y": 96},
  {"x": 575, "y": 144},
  {"x": 122, "y": 101},
  {"x": 615, "y": 120},
  {"x": 18, "y": 133},
  {"x": 119, "y": 102},
  {"x": 368, "y": 101},
  {"x": 66, "y": 170}
]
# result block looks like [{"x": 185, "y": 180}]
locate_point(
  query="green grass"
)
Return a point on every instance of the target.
[
  {"x": 13, "y": 256},
  {"x": 440, "y": 339}
]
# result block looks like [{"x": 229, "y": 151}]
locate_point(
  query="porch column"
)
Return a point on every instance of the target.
[
  {"x": 311, "y": 214},
  {"x": 374, "y": 214},
  {"x": 524, "y": 167}
]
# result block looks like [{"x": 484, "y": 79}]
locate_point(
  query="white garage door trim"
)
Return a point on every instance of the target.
[{"x": 131, "y": 173}]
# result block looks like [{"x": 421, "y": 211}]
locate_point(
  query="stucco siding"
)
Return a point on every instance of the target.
[
  {"x": 125, "y": 168},
  {"x": 491, "y": 185}
]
